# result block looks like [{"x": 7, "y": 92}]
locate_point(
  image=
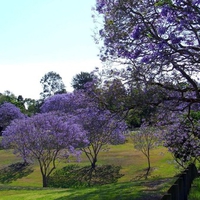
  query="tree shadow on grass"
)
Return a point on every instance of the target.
[
  {"x": 15, "y": 171},
  {"x": 74, "y": 176},
  {"x": 138, "y": 190}
]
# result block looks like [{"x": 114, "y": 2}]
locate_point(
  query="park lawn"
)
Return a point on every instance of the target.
[{"x": 129, "y": 186}]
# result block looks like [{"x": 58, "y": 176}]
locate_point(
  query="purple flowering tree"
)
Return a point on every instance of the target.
[
  {"x": 158, "y": 42},
  {"x": 181, "y": 135},
  {"x": 100, "y": 125},
  {"x": 158, "y": 39},
  {"x": 43, "y": 137},
  {"x": 9, "y": 112},
  {"x": 101, "y": 129}
]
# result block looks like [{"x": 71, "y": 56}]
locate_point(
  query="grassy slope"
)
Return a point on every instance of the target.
[{"x": 128, "y": 187}]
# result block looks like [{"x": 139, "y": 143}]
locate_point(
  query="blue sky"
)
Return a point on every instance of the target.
[{"x": 38, "y": 36}]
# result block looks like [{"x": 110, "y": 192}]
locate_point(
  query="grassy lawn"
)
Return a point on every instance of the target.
[
  {"x": 195, "y": 190},
  {"x": 28, "y": 185}
]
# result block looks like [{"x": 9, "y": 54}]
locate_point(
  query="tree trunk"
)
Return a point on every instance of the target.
[
  {"x": 93, "y": 164},
  {"x": 149, "y": 166},
  {"x": 44, "y": 180}
]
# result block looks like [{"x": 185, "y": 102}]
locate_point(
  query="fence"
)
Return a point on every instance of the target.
[{"x": 181, "y": 187}]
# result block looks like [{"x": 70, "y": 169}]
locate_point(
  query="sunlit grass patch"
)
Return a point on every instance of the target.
[{"x": 133, "y": 164}]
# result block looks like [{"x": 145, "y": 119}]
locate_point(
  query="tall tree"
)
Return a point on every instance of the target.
[
  {"x": 159, "y": 41},
  {"x": 52, "y": 84},
  {"x": 32, "y": 106}
]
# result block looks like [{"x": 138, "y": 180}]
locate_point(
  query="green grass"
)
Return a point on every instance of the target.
[
  {"x": 195, "y": 190},
  {"x": 128, "y": 187}
]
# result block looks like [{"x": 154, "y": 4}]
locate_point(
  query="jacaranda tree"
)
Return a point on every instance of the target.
[
  {"x": 182, "y": 135},
  {"x": 159, "y": 40},
  {"x": 102, "y": 128},
  {"x": 100, "y": 125},
  {"x": 159, "y": 43},
  {"x": 43, "y": 137}
]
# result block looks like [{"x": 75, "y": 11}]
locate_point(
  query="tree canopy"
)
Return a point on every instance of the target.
[{"x": 158, "y": 41}]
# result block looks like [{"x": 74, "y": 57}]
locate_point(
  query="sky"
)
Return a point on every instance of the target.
[{"x": 39, "y": 36}]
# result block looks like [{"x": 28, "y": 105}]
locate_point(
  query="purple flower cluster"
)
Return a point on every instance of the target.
[
  {"x": 163, "y": 35},
  {"x": 9, "y": 112},
  {"x": 32, "y": 136}
]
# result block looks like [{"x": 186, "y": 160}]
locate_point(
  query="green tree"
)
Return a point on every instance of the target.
[
  {"x": 32, "y": 106},
  {"x": 52, "y": 84},
  {"x": 79, "y": 80}
]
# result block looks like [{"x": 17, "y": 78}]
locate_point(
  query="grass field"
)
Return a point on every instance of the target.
[{"x": 28, "y": 185}]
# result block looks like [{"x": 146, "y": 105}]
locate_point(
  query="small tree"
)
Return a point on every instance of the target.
[
  {"x": 144, "y": 140},
  {"x": 43, "y": 137}
]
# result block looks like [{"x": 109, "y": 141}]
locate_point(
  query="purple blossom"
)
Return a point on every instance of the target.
[
  {"x": 175, "y": 39},
  {"x": 145, "y": 59},
  {"x": 100, "y": 5},
  {"x": 136, "y": 33},
  {"x": 164, "y": 11},
  {"x": 9, "y": 112},
  {"x": 136, "y": 54},
  {"x": 67, "y": 102},
  {"x": 162, "y": 30}
]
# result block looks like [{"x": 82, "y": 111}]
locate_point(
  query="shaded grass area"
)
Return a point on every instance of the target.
[
  {"x": 195, "y": 190},
  {"x": 84, "y": 176},
  {"x": 138, "y": 190},
  {"x": 14, "y": 171},
  {"x": 133, "y": 163}
]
